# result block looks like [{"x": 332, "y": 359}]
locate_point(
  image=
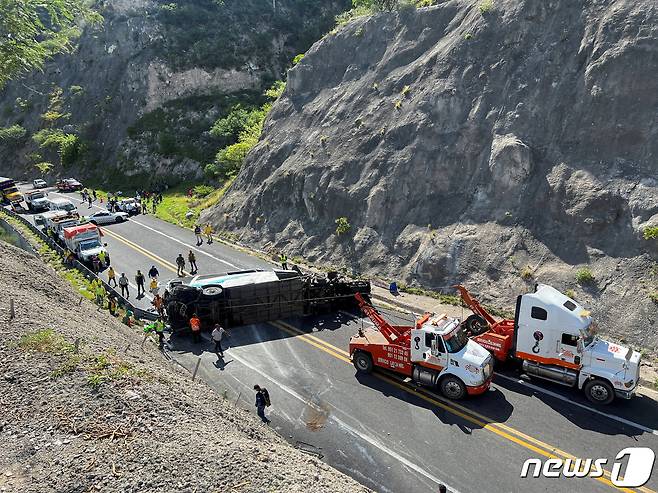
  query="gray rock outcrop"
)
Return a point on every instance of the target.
[{"x": 468, "y": 146}]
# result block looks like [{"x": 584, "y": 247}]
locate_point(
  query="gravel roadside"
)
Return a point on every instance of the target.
[{"x": 115, "y": 416}]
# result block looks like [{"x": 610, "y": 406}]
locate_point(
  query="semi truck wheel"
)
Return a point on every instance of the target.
[
  {"x": 453, "y": 388},
  {"x": 476, "y": 325},
  {"x": 363, "y": 362},
  {"x": 599, "y": 392}
]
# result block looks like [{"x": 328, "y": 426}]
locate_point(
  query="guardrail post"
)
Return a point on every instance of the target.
[{"x": 12, "y": 312}]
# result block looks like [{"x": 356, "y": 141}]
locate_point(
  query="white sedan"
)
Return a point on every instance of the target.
[
  {"x": 38, "y": 183},
  {"x": 107, "y": 217}
]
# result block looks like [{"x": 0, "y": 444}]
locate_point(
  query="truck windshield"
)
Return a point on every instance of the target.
[
  {"x": 68, "y": 207},
  {"x": 36, "y": 196},
  {"x": 455, "y": 340},
  {"x": 589, "y": 334},
  {"x": 89, "y": 245}
]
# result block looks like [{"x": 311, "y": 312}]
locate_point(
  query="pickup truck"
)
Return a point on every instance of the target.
[{"x": 36, "y": 201}]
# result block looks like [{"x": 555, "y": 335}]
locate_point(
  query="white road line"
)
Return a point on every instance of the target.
[
  {"x": 578, "y": 404},
  {"x": 186, "y": 245},
  {"x": 372, "y": 441},
  {"x": 165, "y": 235}
]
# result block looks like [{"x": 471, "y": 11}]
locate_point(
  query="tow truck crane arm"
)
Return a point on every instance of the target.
[{"x": 394, "y": 334}]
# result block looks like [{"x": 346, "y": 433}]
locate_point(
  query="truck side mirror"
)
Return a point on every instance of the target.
[
  {"x": 579, "y": 345},
  {"x": 434, "y": 348}
]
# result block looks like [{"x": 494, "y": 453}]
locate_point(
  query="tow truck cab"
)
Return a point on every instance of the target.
[{"x": 556, "y": 340}]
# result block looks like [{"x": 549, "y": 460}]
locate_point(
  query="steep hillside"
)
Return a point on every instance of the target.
[
  {"x": 140, "y": 92},
  {"x": 115, "y": 415},
  {"x": 494, "y": 144}
]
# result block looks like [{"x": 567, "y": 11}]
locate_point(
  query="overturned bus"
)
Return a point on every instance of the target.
[{"x": 253, "y": 296}]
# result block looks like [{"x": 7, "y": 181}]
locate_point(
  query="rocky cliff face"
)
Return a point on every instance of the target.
[
  {"x": 141, "y": 91},
  {"x": 496, "y": 148}
]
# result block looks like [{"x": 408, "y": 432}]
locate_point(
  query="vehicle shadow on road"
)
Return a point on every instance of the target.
[
  {"x": 447, "y": 412},
  {"x": 640, "y": 409}
]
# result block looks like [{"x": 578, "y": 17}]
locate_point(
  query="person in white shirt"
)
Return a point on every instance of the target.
[{"x": 217, "y": 336}]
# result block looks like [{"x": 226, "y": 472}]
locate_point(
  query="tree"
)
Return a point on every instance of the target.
[
  {"x": 32, "y": 31},
  {"x": 387, "y": 5}
]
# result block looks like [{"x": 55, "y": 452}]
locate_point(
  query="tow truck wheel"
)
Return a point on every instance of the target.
[
  {"x": 476, "y": 325},
  {"x": 363, "y": 362},
  {"x": 453, "y": 388},
  {"x": 599, "y": 392}
]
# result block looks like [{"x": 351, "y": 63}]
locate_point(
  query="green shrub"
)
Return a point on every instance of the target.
[
  {"x": 76, "y": 90},
  {"x": 653, "y": 296},
  {"x": 276, "y": 90},
  {"x": 201, "y": 191},
  {"x": 44, "y": 168},
  {"x": 342, "y": 225},
  {"x": 69, "y": 149},
  {"x": 584, "y": 276},
  {"x": 12, "y": 135},
  {"x": 486, "y": 6},
  {"x": 571, "y": 294},
  {"x": 232, "y": 124},
  {"x": 527, "y": 273},
  {"x": 650, "y": 232},
  {"x": 297, "y": 59}
]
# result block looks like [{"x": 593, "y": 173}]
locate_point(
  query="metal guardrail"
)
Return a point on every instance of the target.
[{"x": 83, "y": 269}]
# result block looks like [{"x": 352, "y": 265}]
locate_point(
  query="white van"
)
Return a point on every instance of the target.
[{"x": 59, "y": 204}]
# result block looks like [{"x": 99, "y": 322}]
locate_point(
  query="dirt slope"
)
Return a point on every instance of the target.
[
  {"x": 145, "y": 427},
  {"x": 497, "y": 149}
]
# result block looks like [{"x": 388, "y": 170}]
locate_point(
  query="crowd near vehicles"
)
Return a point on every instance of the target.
[
  {"x": 68, "y": 185},
  {"x": 554, "y": 338},
  {"x": 61, "y": 204},
  {"x": 9, "y": 193},
  {"x": 39, "y": 183},
  {"x": 435, "y": 351},
  {"x": 36, "y": 201},
  {"x": 253, "y": 296},
  {"x": 84, "y": 241},
  {"x": 107, "y": 217}
]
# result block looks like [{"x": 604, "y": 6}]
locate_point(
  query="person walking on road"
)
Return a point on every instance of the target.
[
  {"x": 207, "y": 230},
  {"x": 94, "y": 194},
  {"x": 284, "y": 261},
  {"x": 180, "y": 264},
  {"x": 153, "y": 272},
  {"x": 192, "y": 260},
  {"x": 154, "y": 287},
  {"x": 195, "y": 325},
  {"x": 111, "y": 277},
  {"x": 217, "y": 336},
  {"x": 139, "y": 280},
  {"x": 89, "y": 201},
  {"x": 197, "y": 233},
  {"x": 262, "y": 400},
  {"x": 123, "y": 284}
]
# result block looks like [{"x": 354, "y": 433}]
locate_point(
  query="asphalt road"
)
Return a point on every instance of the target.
[{"x": 386, "y": 433}]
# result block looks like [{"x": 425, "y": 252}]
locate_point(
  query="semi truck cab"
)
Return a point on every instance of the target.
[{"x": 556, "y": 340}]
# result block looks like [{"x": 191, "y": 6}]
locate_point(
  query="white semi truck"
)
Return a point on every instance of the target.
[{"x": 554, "y": 338}]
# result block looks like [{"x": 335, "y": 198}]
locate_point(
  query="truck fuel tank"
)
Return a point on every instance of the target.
[{"x": 557, "y": 374}]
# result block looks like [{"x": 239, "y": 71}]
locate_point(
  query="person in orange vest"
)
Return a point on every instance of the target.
[{"x": 195, "y": 325}]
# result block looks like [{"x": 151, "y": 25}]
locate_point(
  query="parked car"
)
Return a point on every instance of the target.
[
  {"x": 107, "y": 217},
  {"x": 39, "y": 183},
  {"x": 61, "y": 204},
  {"x": 68, "y": 185}
]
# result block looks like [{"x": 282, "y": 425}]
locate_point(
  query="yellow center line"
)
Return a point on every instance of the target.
[
  {"x": 463, "y": 412},
  {"x": 478, "y": 419},
  {"x": 141, "y": 250}
]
